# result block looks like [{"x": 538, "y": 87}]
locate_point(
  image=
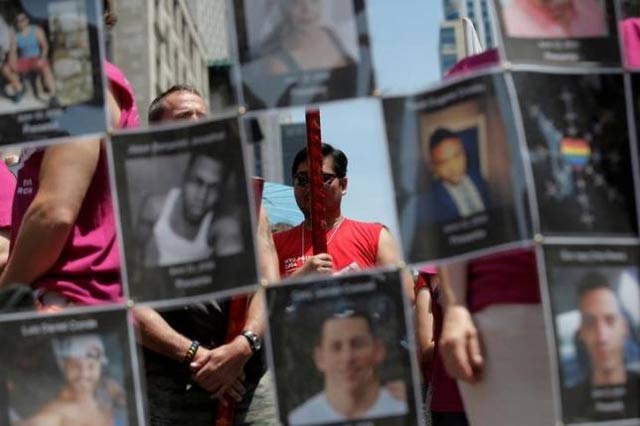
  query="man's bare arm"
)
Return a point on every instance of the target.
[
  {"x": 267, "y": 255},
  {"x": 156, "y": 334},
  {"x": 424, "y": 329},
  {"x": 460, "y": 342},
  {"x": 65, "y": 176},
  {"x": 389, "y": 255},
  {"x": 44, "y": 44}
]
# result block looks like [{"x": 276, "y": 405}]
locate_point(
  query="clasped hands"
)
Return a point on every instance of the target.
[{"x": 219, "y": 371}]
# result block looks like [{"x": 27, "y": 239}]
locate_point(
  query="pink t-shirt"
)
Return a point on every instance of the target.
[
  {"x": 525, "y": 19},
  {"x": 7, "y": 188},
  {"x": 630, "y": 29},
  {"x": 87, "y": 271}
]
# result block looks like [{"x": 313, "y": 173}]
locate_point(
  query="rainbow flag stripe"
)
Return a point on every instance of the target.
[{"x": 576, "y": 151}]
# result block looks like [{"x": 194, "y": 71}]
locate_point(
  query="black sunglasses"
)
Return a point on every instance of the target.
[{"x": 302, "y": 179}]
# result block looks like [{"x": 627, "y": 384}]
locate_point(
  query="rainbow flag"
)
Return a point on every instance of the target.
[{"x": 576, "y": 151}]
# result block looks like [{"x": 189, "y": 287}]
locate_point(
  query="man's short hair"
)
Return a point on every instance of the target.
[
  {"x": 592, "y": 281},
  {"x": 440, "y": 135},
  {"x": 157, "y": 109},
  {"x": 340, "y": 160},
  {"x": 346, "y": 311}
]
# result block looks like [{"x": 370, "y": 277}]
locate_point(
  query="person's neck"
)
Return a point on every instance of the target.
[
  {"x": 355, "y": 402},
  {"x": 332, "y": 220},
  {"x": 617, "y": 376},
  {"x": 305, "y": 37},
  {"x": 87, "y": 399}
]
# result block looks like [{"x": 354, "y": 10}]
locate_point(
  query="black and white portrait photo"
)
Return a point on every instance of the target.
[
  {"x": 185, "y": 210},
  {"x": 334, "y": 362},
  {"x": 596, "y": 310},
  {"x": 295, "y": 52},
  {"x": 50, "y": 74}
]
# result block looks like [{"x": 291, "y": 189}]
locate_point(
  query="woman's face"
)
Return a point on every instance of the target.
[
  {"x": 557, "y": 9},
  {"x": 22, "y": 21},
  {"x": 302, "y": 13}
]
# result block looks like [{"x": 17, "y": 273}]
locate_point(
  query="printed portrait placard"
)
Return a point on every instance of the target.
[
  {"x": 52, "y": 77},
  {"x": 340, "y": 340},
  {"x": 72, "y": 368},
  {"x": 595, "y": 305},
  {"x": 296, "y": 53},
  {"x": 569, "y": 33},
  {"x": 184, "y": 209},
  {"x": 457, "y": 169},
  {"x": 577, "y": 135}
]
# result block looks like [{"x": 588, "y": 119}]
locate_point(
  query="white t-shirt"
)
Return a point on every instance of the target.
[
  {"x": 174, "y": 248},
  {"x": 318, "y": 410},
  {"x": 466, "y": 197}
]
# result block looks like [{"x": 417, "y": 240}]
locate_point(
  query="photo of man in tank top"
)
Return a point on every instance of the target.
[{"x": 176, "y": 227}]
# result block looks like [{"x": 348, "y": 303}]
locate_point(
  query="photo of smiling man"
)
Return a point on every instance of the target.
[{"x": 347, "y": 354}]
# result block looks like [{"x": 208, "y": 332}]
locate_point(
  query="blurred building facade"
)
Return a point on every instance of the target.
[
  {"x": 456, "y": 42},
  {"x": 156, "y": 43}
]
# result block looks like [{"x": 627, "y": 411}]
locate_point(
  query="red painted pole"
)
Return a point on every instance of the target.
[{"x": 314, "y": 154}]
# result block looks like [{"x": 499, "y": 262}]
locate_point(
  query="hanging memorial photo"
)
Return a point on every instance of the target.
[
  {"x": 52, "y": 83},
  {"x": 457, "y": 172},
  {"x": 295, "y": 52},
  {"x": 595, "y": 303},
  {"x": 564, "y": 33},
  {"x": 578, "y": 139},
  {"x": 184, "y": 210},
  {"x": 72, "y": 369},
  {"x": 333, "y": 360}
]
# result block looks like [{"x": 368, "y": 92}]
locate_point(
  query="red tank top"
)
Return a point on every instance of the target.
[{"x": 350, "y": 244}]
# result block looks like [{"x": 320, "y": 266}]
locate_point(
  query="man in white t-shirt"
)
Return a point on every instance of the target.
[
  {"x": 348, "y": 355},
  {"x": 177, "y": 227}
]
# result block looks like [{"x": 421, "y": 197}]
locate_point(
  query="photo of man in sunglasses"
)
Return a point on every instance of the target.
[{"x": 351, "y": 245}]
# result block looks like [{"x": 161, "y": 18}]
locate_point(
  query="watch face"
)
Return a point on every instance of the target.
[
  {"x": 254, "y": 340},
  {"x": 257, "y": 343}
]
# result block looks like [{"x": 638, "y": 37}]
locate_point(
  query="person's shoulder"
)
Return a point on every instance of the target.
[
  {"x": 375, "y": 227},
  {"x": 387, "y": 404},
  {"x": 280, "y": 237},
  {"x": 152, "y": 205},
  {"x": 312, "y": 410}
]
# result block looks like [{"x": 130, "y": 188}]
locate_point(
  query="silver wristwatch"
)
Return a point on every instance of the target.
[{"x": 255, "y": 343}]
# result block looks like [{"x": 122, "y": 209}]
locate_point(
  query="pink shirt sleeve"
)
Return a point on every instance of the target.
[
  {"x": 7, "y": 189},
  {"x": 631, "y": 41}
]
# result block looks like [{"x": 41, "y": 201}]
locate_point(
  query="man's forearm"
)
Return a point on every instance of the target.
[
  {"x": 156, "y": 334},
  {"x": 256, "y": 314},
  {"x": 453, "y": 281}
]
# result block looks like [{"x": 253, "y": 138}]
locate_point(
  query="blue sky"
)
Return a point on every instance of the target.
[{"x": 404, "y": 35}]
